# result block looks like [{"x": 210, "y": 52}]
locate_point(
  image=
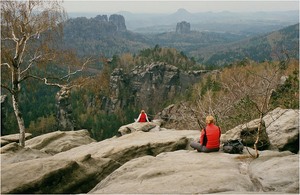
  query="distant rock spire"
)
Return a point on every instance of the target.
[
  {"x": 183, "y": 27},
  {"x": 118, "y": 21}
]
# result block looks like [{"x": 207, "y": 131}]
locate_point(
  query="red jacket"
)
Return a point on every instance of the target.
[
  {"x": 213, "y": 134},
  {"x": 143, "y": 118}
]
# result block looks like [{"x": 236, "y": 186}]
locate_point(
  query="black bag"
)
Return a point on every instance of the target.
[{"x": 233, "y": 147}]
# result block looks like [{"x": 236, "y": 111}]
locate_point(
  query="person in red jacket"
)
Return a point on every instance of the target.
[
  {"x": 142, "y": 117},
  {"x": 209, "y": 137}
]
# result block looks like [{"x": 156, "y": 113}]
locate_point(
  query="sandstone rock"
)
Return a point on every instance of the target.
[
  {"x": 102, "y": 18},
  {"x": 79, "y": 169},
  {"x": 118, "y": 21},
  {"x": 52, "y": 175},
  {"x": 13, "y": 138},
  {"x": 178, "y": 116},
  {"x": 183, "y": 27},
  {"x": 14, "y": 153},
  {"x": 248, "y": 132},
  {"x": 131, "y": 170},
  {"x": 63, "y": 105},
  {"x": 59, "y": 141},
  {"x": 189, "y": 172},
  {"x": 280, "y": 131},
  {"x": 133, "y": 127},
  {"x": 147, "y": 85},
  {"x": 276, "y": 172},
  {"x": 283, "y": 129}
]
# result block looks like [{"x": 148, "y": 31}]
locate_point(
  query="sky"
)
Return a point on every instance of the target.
[{"x": 193, "y": 6}]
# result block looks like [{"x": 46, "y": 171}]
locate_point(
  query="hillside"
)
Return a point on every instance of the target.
[
  {"x": 270, "y": 47},
  {"x": 101, "y": 37}
]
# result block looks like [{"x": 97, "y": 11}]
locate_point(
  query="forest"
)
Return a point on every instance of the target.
[{"x": 233, "y": 71}]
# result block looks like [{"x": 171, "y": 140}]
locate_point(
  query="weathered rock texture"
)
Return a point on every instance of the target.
[
  {"x": 80, "y": 169},
  {"x": 13, "y": 153},
  {"x": 188, "y": 172},
  {"x": 145, "y": 127},
  {"x": 141, "y": 162},
  {"x": 64, "y": 117},
  {"x": 146, "y": 86},
  {"x": 178, "y": 116},
  {"x": 281, "y": 127},
  {"x": 59, "y": 141},
  {"x": 183, "y": 27},
  {"x": 13, "y": 138}
]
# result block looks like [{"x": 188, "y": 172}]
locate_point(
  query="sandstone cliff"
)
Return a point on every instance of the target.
[
  {"x": 183, "y": 27},
  {"x": 148, "y": 86}
]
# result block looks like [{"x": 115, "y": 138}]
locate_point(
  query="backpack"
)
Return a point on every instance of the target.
[{"x": 233, "y": 147}]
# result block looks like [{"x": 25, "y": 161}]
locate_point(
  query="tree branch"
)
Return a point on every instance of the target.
[
  {"x": 6, "y": 64},
  {"x": 75, "y": 72},
  {"x": 7, "y": 88}
]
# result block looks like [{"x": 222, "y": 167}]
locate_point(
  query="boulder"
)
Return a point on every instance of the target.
[
  {"x": 13, "y": 138},
  {"x": 282, "y": 126},
  {"x": 145, "y": 162},
  {"x": 280, "y": 131},
  {"x": 14, "y": 153},
  {"x": 133, "y": 127},
  {"x": 81, "y": 168},
  {"x": 276, "y": 172},
  {"x": 59, "y": 141},
  {"x": 52, "y": 175},
  {"x": 190, "y": 172},
  {"x": 247, "y": 133}
]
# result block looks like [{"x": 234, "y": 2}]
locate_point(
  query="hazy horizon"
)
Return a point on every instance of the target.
[{"x": 168, "y": 7}]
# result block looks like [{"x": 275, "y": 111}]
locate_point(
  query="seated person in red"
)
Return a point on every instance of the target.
[
  {"x": 142, "y": 117},
  {"x": 209, "y": 137}
]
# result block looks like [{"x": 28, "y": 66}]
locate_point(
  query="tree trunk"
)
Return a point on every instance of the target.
[
  {"x": 258, "y": 134},
  {"x": 16, "y": 89},
  {"x": 20, "y": 119}
]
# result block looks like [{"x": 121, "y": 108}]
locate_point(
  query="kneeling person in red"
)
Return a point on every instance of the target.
[{"x": 143, "y": 117}]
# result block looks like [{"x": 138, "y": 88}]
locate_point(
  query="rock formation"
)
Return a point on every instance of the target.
[
  {"x": 64, "y": 110},
  {"x": 183, "y": 27},
  {"x": 118, "y": 21},
  {"x": 143, "y": 162},
  {"x": 281, "y": 127},
  {"x": 59, "y": 141},
  {"x": 80, "y": 169},
  {"x": 102, "y": 18},
  {"x": 13, "y": 138},
  {"x": 145, "y": 86},
  {"x": 188, "y": 172}
]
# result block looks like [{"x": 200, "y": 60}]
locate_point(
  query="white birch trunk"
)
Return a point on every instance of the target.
[{"x": 19, "y": 119}]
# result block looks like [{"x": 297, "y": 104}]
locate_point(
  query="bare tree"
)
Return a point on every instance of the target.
[
  {"x": 26, "y": 27},
  {"x": 251, "y": 83}
]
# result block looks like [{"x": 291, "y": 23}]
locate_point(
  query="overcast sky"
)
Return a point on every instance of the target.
[{"x": 193, "y": 6}]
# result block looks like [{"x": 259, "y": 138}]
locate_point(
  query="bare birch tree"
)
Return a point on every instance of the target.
[{"x": 25, "y": 43}]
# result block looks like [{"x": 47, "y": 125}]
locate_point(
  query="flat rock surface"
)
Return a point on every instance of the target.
[
  {"x": 81, "y": 168},
  {"x": 190, "y": 172},
  {"x": 59, "y": 141},
  {"x": 177, "y": 173}
]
